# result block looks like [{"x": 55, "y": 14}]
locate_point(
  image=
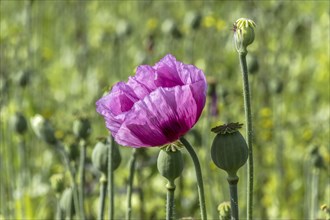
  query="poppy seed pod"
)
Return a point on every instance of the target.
[
  {"x": 229, "y": 150},
  {"x": 19, "y": 123},
  {"x": 170, "y": 162},
  {"x": 100, "y": 156},
  {"x": 82, "y": 128}
]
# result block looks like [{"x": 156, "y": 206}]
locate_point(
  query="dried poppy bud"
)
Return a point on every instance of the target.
[
  {"x": 170, "y": 162},
  {"x": 82, "y": 128},
  {"x": 229, "y": 150}
]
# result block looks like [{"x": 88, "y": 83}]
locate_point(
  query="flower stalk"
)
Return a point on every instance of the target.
[
  {"x": 233, "y": 180},
  {"x": 249, "y": 133},
  {"x": 130, "y": 184},
  {"x": 82, "y": 177},
  {"x": 103, "y": 192},
  {"x": 244, "y": 36},
  {"x": 110, "y": 178},
  {"x": 170, "y": 200},
  {"x": 198, "y": 176},
  {"x": 61, "y": 150}
]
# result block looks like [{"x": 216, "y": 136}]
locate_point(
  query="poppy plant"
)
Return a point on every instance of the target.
[{"x": 156, "y": 106}]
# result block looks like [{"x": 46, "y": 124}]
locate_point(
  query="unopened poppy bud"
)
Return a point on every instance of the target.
[
  {"x": 43, "y": 129},
  {"x": 66, "y": 203},
  {"x": 100, "y": 156},
  {"x": 170, "y": 162},
  {"x": 243, "y": 34},
  {"x": 82, "y": 128},
  {"x": 57, "y": 183},
  {"x": 229, "y": 150},
  {"x": 19, "y": 123},
  {"x": 224, "y": 211}
]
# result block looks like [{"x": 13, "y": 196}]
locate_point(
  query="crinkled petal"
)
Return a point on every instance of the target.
[
  {"x": 170, "y": 72},
  {"x": 160, "y": 118},
  {"x": 143, "y": 83}
]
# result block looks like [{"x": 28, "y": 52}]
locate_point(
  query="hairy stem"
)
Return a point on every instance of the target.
[
  {"x": 71, "y": 170},
  {"x": 233, "y": 197},
  {"x": 82, "y": 177},
  {"x": 170, "y": 201},
  {"x": 110, "y": 179},
  {"x": 130, "y": 184},
  {"x": 198, "y": 176},
  {"x": 103, "y": 192},
  {"x": 249, "y": 133}
]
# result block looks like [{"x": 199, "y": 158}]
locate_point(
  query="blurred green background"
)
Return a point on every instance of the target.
[{"x": 59, "y": 57}]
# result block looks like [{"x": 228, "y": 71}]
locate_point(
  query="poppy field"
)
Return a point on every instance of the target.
[{"x": 164, "y": 109}]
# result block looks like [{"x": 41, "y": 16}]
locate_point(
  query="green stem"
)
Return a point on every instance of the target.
[
  {"x": 110, "y": 179},
  {"x": 82, "y": 177},
  {"x": 103, "y": 192},
  {"x": 233, "y": 197},
  {"x": 170, "y": 200},
  {"x": 130, "y": 184},
  {"x": 198, "y": 176},
  {"x": 249, "y": 133},
  {"x": 65, "y": 156},
  {"x": 314, "y": 193}
]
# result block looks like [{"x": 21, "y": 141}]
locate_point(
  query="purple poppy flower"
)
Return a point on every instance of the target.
[{"x": 155, "y": 107}]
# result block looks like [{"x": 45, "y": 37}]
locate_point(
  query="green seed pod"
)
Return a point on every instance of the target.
[
  {"x": 66, "y": 203},
  {"x": 43, "y": 129},
  {"x": 82, "y": 128},
  {"x": 100, "y": 156},
  {"x": 224, "y": 211},
  {"x": 229, "y": 150},
  {"x": 19, "y": 123},
  {"x": 170, "y": 162}
]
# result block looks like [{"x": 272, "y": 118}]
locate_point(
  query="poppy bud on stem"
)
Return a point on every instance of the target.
[
  {"x": 244, "y": 36},
  {"x": 170, "y": 166}
]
